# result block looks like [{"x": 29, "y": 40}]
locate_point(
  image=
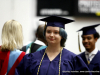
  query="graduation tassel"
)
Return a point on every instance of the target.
[
  {"x": 79, "y": 43},
  {"x": 45, "y": 25}
]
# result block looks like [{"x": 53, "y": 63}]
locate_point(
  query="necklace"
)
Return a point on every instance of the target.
[{"x": 43, "y": 57}]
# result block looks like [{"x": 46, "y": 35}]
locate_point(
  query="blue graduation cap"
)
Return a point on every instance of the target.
[
  {"x": 56, "y": 21},
  {"x": 89, "y": 29}
]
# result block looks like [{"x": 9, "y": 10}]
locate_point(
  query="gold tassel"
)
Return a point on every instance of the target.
[
  {"x": 45, "y": 25},
  {"x": 79, "y": 42}
]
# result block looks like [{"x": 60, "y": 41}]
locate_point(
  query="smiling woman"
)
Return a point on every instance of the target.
[
  {"x": 52, "y": 35},
  {"x": 53, "y": 60}
]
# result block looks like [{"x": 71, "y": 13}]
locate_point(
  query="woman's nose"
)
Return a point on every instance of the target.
[{"x": 51, "y": 34}]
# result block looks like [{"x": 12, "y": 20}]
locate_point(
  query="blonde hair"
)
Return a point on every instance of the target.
[{"x": 12, "y": 36}]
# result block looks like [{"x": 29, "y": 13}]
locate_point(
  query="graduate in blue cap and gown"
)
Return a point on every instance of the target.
[
  {"x": 91, "y": 54},
  {"x": 55, "y": 59}
]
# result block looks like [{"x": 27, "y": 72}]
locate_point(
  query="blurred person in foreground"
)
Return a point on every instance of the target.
[
  {"x": 38, "y": 44},
  {"x": 12, "y": 41},
  {"x": 53, "y": 60},
  {"x": 91, "y": 55}
]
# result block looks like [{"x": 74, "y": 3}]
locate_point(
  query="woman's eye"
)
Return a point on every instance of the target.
[
  {"x": 56, "y": 32},
  {"x": 48, "y": 31}
]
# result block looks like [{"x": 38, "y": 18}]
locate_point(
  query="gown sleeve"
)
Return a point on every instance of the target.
[
  {"x": 22, "y": 68},
  {"x": 80, "y": 66},
  {"x": 29, "y": 64},
  {"x": 74, "y": 66}
]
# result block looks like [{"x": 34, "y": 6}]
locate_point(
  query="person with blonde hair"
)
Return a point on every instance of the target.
[{"x": 12, "y": 41}]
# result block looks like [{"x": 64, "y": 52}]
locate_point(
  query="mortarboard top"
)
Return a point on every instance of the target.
[
  {"x": 89, "y": 29},
  {"x": 56, "y": 21}
]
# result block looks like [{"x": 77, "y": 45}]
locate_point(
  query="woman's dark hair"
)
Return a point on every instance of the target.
[{"x": 62, "y": 33}]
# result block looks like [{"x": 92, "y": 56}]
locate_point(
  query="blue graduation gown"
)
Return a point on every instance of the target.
[
  {"x": 69, "y": 62},
  {"x": 94, "y": 65}
]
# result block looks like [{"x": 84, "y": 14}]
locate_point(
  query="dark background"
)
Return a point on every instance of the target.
[{"x": 71, "y": 6}]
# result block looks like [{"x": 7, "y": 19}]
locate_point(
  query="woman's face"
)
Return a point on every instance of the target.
[{"x": 52, "y": 35}]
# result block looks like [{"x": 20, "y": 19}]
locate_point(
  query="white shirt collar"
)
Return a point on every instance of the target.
[
  {"x": 93, "y": 52},
  {"x": 39, "y": 42},
  {"x": 91, "y": 55}
]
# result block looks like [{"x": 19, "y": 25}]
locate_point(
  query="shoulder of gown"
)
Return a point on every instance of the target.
[
  {"x": 75, "y": 61},
  {"x": 69, "y": 56},
  {"x": 27, "y": 61}
]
